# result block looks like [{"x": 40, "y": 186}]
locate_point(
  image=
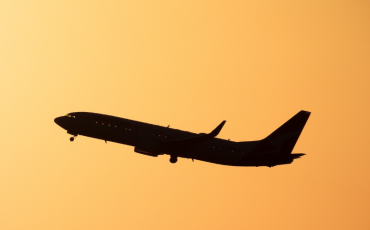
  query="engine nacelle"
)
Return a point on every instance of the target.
[{"x": 147, "y": 147}]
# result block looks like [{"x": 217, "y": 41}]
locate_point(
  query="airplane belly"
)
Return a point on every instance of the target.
[{"x": 218, "y": 157}]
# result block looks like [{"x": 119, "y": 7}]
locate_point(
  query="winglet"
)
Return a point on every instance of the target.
[{"x": 217, "y": 130}]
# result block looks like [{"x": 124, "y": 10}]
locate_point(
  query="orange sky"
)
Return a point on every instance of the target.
[{"x": 190, "y": 65}]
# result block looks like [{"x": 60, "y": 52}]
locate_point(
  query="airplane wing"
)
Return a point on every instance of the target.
[{"x": 189, "y": 142}]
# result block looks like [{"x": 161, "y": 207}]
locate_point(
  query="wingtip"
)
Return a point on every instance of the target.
[{"x": 217, "y": 130}]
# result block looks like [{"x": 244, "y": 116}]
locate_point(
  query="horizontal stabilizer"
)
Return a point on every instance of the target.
[{"x": 297, "y": 155}]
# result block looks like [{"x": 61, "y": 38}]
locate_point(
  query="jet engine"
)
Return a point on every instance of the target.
[{"x": 147, "y": 147}]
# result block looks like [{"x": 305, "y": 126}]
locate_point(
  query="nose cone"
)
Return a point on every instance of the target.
[{"x": 60, "y": 121}]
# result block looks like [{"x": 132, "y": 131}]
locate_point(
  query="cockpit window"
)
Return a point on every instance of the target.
[{"x": 69, "y": 115}]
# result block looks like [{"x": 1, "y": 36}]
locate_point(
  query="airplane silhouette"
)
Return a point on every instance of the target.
[{"x": 154, "y": 140}]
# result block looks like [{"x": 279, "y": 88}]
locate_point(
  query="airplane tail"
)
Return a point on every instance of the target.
[{"x": 286, "y": 136}]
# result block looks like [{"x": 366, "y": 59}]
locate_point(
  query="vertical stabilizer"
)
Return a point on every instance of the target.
[{"x": 287, "y": 135}]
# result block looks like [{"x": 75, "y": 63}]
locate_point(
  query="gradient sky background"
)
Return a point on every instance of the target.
[{"x": 190, "y": 64}]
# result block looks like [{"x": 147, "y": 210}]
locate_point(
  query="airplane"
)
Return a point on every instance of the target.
[{"x": 155, "y": 140}]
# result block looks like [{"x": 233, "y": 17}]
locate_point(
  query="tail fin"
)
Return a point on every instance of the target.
[{"x": 287, "y": 135}]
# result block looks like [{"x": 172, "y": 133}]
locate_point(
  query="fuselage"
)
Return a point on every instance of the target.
[{"x": 129, "y": 132}]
